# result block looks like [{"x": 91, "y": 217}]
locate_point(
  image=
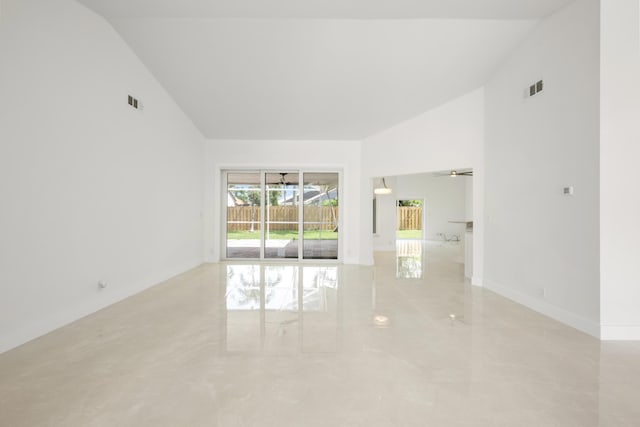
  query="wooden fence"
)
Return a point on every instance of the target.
[
  {"x": 409, "y": 218},
  {"x": 240, "y": 218}
]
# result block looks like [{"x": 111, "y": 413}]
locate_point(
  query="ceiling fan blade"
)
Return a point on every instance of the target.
[{"x": 453, "y": 173}]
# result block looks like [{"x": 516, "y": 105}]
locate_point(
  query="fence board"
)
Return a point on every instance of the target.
[
  {"x": 240, "y": 218},
  {"x": 409, "y": 218}
]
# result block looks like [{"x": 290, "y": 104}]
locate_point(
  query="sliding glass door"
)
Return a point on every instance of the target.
[
  {"x": 320, "y": 216},
  {"x": 243, "y": 225},
  {"x": 281, "y": 214}
]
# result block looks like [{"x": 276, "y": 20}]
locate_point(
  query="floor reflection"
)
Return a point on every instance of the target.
[
  {"x": 307, "y": 345},
  {"x": 409, "y": 259},
  {"x": 281, "y": 308}
]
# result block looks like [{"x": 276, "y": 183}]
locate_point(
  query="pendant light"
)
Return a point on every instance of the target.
[{"x": 382, "y": 190}]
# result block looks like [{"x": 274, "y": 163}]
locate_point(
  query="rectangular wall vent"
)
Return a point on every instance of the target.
[
  {"x": 536, "y": 88},
  {"x": 134, "y": 102}
]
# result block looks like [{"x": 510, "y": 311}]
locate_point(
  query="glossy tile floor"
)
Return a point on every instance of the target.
[{"x": 407, "y": 343}]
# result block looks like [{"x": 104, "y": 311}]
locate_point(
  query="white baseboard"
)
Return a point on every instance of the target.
[
  {"x": 613, "y": 332},
  {"x": 561, "y": 315},
  {"x": 57, "y": 320},
  {"x": 476, "y": 281}
]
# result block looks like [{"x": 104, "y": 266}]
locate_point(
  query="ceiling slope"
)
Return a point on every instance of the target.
[
  {"x": 324, "y": 76},
  {"x": 327, "y": 9}
]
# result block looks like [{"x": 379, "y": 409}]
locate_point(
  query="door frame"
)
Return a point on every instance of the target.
[{"x": 262, "y": 173}]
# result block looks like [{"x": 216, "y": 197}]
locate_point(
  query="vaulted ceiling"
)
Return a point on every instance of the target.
[{"x": 318, "y": 69}]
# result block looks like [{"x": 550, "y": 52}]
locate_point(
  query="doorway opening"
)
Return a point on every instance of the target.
[{"x": 409, "y": 219}]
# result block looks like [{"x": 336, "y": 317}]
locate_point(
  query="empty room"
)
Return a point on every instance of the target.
[{"x": 305, "y": 213}]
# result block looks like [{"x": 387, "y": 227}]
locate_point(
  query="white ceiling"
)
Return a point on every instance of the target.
[
  {"x": 327, "y": 9},
  {"x": 331, "y": 69}
]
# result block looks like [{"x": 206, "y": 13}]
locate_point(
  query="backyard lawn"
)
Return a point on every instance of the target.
[
  {"x": 409, "y": 234},
  {"x": 283, "y": 235},
  {"x": 310, "y": 235}
]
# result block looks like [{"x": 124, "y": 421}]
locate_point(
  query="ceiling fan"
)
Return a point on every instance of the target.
[
  {"x": 282, "y": 181},
  {"x": 455, "y": 173}
]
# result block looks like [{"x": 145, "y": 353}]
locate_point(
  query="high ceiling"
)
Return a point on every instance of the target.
[
  {"x": 330, "y": 69},
  {"x": 327, "y": 9}
]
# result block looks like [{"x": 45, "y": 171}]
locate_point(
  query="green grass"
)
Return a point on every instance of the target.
[
  {"x": 409, "y": 234},
  {"x": 283, "y": 235}
]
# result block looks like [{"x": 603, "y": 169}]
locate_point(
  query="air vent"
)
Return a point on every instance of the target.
[
  {"x": 134, "y": 102},
  {"x": 536, "y": 88}
]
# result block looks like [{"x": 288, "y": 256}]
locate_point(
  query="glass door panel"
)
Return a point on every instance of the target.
[
  {"x": 320, "y": 216},
  {"x": 243, "y": 214},
  {"x": 281, "y": 215}
]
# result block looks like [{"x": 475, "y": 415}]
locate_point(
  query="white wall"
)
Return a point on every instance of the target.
[
  {"x": 439, "y": 139},
  {"x": 385, "y": 237},
  {"x": 468, "y": 199},
  {"x": 309, "y": 155},
  {"x": 537, "y": 239},
  {"x": 444, "y": 201},
  {"x": 91, "y": 188},
  {"x": 619, "y": 159},
  {"x": 448, "y": 137}
]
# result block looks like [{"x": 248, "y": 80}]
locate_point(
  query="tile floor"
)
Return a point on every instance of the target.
[{"x": 407, "y": 343}]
